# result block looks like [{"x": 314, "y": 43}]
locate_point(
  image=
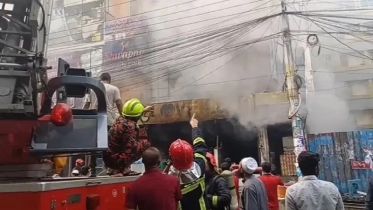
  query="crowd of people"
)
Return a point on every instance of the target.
[{"x": 192, "y": 180}]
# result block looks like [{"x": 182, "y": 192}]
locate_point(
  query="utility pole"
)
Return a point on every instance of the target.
[{"x": 292, "y": 88}]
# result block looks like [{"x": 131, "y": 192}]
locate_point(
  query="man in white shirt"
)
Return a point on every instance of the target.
[
  {"x": 310, "y": 193},
  {"x": 113, "y": 104},
  {"x": 113, "y": 100}
]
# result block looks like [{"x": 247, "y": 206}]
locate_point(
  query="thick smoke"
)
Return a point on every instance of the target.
[
  {"x": 231, "y": 79},
  {"x": 327, "y": 110},
  {"x": 329, "y": 89}
]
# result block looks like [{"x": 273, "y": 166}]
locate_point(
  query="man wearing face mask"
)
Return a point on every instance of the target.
[
  {"x": 217, "y": 189},
  {"x": 254, "y": 195}
]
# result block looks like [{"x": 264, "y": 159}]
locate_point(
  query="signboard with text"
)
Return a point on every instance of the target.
[
  {"x": 178, "y": 111},
  {"x": 125, "y": 28},
  {"x": 355, "y": 164}
]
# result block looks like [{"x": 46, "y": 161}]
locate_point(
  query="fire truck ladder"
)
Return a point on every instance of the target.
[{"x": 22, "y": 65}]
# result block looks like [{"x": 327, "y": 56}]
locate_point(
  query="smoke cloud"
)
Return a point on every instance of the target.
[
  {"x": 230, "y": 78},
  {"x": 326, "y": 111},
  {"x": 233, "y": 78}
]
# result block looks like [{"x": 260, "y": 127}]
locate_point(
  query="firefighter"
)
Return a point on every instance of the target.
[
  {"x": 217, "y": 189},
  {"x": 125, "y": 144},
  {"x": 188, "y": 164}
]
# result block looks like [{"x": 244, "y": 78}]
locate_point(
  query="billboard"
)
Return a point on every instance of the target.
[
  {"x": 120, "y": 59},
  {"x": 76, "y": 23},
  {"x": 125, "y": 28}
]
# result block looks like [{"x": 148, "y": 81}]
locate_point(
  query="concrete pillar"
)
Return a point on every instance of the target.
[{"x": 263, "y": 144}]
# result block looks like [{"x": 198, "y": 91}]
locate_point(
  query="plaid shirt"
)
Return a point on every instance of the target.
[{"x": 127, "y": 142}]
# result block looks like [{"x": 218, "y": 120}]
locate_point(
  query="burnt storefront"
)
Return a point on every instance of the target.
[{"x": 170, "y": 121}]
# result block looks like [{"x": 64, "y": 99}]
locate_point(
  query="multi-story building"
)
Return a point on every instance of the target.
[{"x": 342, "y": 72}]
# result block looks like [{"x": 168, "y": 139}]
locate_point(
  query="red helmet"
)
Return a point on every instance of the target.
[
  {"x": 79, "y": 162},
  {"x": 212, "y": 159},
  {"x": 181, "y": 153}
]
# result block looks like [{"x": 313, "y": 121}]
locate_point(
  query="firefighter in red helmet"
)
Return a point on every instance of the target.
[{"x": 188, "y": 164}]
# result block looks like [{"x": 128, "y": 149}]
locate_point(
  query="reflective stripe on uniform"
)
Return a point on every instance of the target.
[
  {"x": 202, "y": 179},
  {"x": 202, "y": 203},
  {"x": 215, "y": 201},
  {"x": 197, "y": 140},
  {"x": 197, "y": 155},
  {"x": 193, "y": 186}
]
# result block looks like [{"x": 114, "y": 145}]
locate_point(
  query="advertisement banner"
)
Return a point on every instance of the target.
[
  {"x": 75, "y": 23},
  {"x": 356, "y": 165},
  {"x": 119, "y": 55},
  {"x": 124, "y": 28},
  {"x": 121, "y": 61}
]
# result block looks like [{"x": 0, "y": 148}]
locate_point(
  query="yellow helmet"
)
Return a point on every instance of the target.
[
  {"x": 59, "y": 164},
  {"x": 133, "y": 108}
]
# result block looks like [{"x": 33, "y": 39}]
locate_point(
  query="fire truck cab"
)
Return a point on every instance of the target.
[{"x": 31, "y": 129}]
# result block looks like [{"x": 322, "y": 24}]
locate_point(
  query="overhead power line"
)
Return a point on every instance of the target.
[
  {"x": 202, "y": 60},
  {"x": 173, "y": 41},
  {"x": 189, "y": 65},
  {"x": 192, "y": 45},
  {"x": 162, "y": 29},
  {"x": 209, "y": 73},
  {"x": 142, "y": 13},
  {"x": 194, "y": 61}
]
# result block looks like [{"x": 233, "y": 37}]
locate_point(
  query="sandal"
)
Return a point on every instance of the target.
[{"x": 130, "y": 173}]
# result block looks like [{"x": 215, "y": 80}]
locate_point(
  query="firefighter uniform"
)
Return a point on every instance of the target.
[{"x": 191, "y": 173}]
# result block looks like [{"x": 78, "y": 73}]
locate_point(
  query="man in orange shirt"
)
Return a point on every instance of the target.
[{"x": 271, "y": 182}]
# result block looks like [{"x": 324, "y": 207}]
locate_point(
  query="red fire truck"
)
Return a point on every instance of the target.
[{"x": 31, "y": 131}]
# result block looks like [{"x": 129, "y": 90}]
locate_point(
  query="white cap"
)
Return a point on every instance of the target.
[
  {"x": 75, "y": 172},
  {"x": 249, "y": 165}
]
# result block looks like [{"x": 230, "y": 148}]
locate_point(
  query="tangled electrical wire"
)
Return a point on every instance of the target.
[
  {"x": 183, "y": 52},
  {"x": 333, "y": 26}
]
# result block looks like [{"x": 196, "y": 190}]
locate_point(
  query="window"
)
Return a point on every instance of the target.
[
  {"x": 352, "y": 59},
  {"x": 366, "y": 3},
  {"x": 356, "y": 59},
  {"x": 9, "y": 7},
  {"x": 344, "y": 60},
  {"x": 345, "y": 4},
  {"x": 370, "y": 55},
  {"x": 360, "y": 88},
  {"x": 366, "y": 28}
]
